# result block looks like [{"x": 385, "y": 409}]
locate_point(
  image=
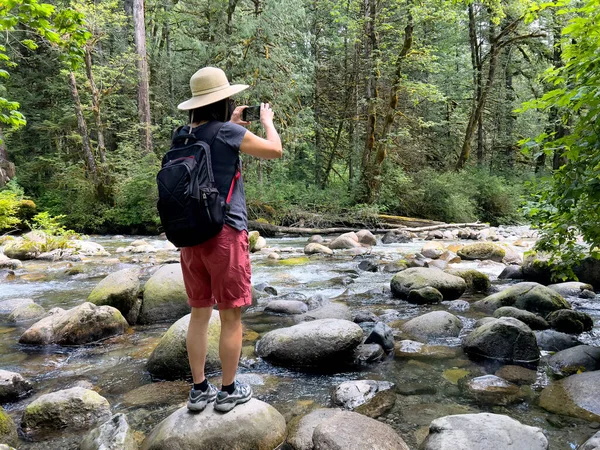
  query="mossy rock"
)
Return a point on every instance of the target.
[
  {"x": 252, "y": 239},
  {"x": 476, "y": 281},
  {"x": 27, "y": 209},
  {"x": 165, "y": 297},
  {"x": 8, "y": 429},
  {"x": 298, "y": 261},
  {"x": 482, "y": 251},
  {"x": 451, "y": 287},
  {"x": 120, "y": 290},
  {"x": 26, "y": 312}
]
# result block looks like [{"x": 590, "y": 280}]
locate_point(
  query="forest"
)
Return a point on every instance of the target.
[{"x": 448, "y": 110}]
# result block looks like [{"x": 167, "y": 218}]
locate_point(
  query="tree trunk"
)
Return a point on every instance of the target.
[
  {"x": 7, "y": 168},
  {"x": 88, "y": 156},
  {"x": 95, "y": 106},
  {"x": 142, "y": 69}
]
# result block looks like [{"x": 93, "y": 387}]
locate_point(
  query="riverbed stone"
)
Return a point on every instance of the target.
[
  {"x": 433, "y": 249},
  {"x": 352, "y": 431},
  {"x": 165, "y": 298},
  {"x": 251, "y": 425},
  {"x": 169, "y": 360},
  {"x": 476, "y": 281},
  {"x": 433, "y": 325},
  {"x": 352, "y": 394},
  {"x": 555, "y": 341},
  {"x": 481, "y": 251},
  {"x": 532, "y": 320},
  {"x": 69, "y": 409},
  {"x": 588, "y": 271},
  {"x": 300, "y": 431},
  {"x": 571, "y": 288},
  {"x": 364, "y": 316},
  {"x": 120, "y": 290},
  {"x": 13, "y": 386},
  {"x": 483, "y": 431},
  {"x": 575, "y": 396},
  {"x": 569, "y": 321},
  {"x": 26, "y": 313},
  {"x": 8, "y": 306},
  {"x": 506, "y": 339},
  {"x": 328, "y": 310},
  {"x": 493, "y": 390},
  {"x": 8, "y": 429},
  {"x": 347, "y": 240},
  {"x": 288, "y": 307},
  {"x": 114, "y": 434},
  {"x": 396, "y": 237},
  {"x": 314, "y": 248},
  {"x": 451, "y": 287},
  {"x": 368, "y": 354},
  {"x": 7, "y": 263},
  {"x": 80, "y": 325},
  {"x": 511, "y": 272},
  {"x": 366, "y": 237},
  {"x": 382, "y": 335},
  {"x": 592, "y": 443},
  {"x": 408, "y": 349},
  {"x": 425, "y": 296},
  {"x": 517, "y": 374},
  {"x": 582, "y": 358},
  {"x": 320, "y": 344},
  {"x": 379, "y": 405},
  {"x": 532, "y": 297},
  {"x": 437, "y": 264}
]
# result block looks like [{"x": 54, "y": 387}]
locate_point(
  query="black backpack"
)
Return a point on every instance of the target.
[{"x": 190, "y": 207}]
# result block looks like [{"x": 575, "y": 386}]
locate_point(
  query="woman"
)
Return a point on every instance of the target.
[{"x": 217, "y": 272}]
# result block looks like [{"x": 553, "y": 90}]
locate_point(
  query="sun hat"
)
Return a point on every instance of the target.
[{"x": 209, "y": 85}]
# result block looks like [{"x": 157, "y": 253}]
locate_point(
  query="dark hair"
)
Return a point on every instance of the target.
[{"x": 220, "y": 111}]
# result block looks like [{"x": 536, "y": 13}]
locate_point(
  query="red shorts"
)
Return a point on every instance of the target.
[{"x": 218, "y": 271}]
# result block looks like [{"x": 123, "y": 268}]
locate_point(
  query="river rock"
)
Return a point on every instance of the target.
[
  {"x": 321, "y": 343},
  {"x": 532, "y": 320},
  {"x": 532, "y": 297},
  {"x": 395, "y": 267},
  {"x": 379, "y": 405},
  {"x": 12, "y": 386},
  {"x": 347, "y": 240},
  {"x": 592, "y": 443},
  {"x": 476, "y": 281},
  {"x": 425, "y": 296},
  {"x": 437, "y": 264},
  {"x": 80, "y": 325},
  {"x": 408, "y": 349},
  {"x": 7, "y": 263},
  {"x": 352, "y": 431},
  {"x": 493, "y": 390},
  {"x": 88, "y": 248},
  {"x": 352, "y": 394},
  {"x": 328, "y": 310},
  {"x": 588, "y": 271},
  {"x": 368, "y": 354},
  {"x": 165, "y": 298},
  {"x": 575, "y": 396},
  {"x": 582, "y": 358},
  {"x": 8, "y": 306},
  {"x": 8, "y": 429},
  {"x": 481, "y": 251},
  {"x": 70, "y": 409},
  {"x": 317, "y": 239},
  {"x": 382, "y": 335},
  {"x": 120, "y": 290},
  {"x": 433, "y": 249},
  {"x": 286, "y": 307},
  {"x": 517, "y": 374},
  {"x": 114, "y": 434},
  {"x": 483, "y": 431},
  {"x": 364, "y": 316},
  {"x": 555, "y": 341},
  {"x": 451, "y": 287},
  {"x": 169, "y": 359},
  {"x": 300, "y": 434},
  {"x": 366, "y": 237},
  {"x": 26, "y": 312},
  {"x": 506, "y": 339},
  {"x": 449, "y": 257},
  {"x": 314, "y": 248},
  {"x": 568, "y": 321},
  {"x": 396, "y": 237},
  {"x": 433, "y": 325},
  {"x": 571, "y": 288},
  {"x": 511, "y": 273}
]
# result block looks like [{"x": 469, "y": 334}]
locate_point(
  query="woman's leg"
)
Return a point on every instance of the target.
[
  {"x": 230, "y": 343},
  {"x": 197, "y": 341}
]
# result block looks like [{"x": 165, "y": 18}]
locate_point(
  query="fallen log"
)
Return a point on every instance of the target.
[
  {"x": 445, "y": 226},
  {"x": 407, "y": 221}
]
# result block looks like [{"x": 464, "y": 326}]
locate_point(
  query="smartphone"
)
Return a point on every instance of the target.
[{"x": 251, "y": 113}]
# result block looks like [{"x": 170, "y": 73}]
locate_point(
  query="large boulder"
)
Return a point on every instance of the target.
[
  {"x": 532, "y": 297},
  {"x": 322, "y": 344},
  {"x": 571, "y": 288},
  {"x": 483, "y": 431},
  {"x": 8, "y": 429},
  {"x": 165, "y": 298},
  {"x": 575, "y": 396},
  {"x": 27, "y": 312},
  {"x": 568, "y": 321},
  {"x": 314, "y": 248},
  {"x": 288, "y": 307},
  {"x": 119, "y": 290},
  {"x": 366, "y": 237},
  {"x": 80, "y": 325},
  {"x": 169, "y": 360},
  {"x": 12, "y": 386},
  {"x": 252, "y": 425},
  {"x": 433, "y": 325},
  {"x": 451, "y": 287},
  {"x": 481, "y": 251},
  {"x": 300, "y": 432},
  {"x": 347, "y": 240},
  {"x": 433, "y": 249},
  {"x": 537, "y": 267},
  {"x": 352, "y": 394},
  {"x": 476, "y": 281},
  {"x": 532, "y": 320},
  {"x": 588, "y": 271},
  {"x": 8, "y": 306},
  {"x": 506, "y": 339},
  {"x": 555, "y": 341},
  {"x": 582, "y": 358},
  {"x": 70, "y": 409},
  {"x": 114, "y": 434}
]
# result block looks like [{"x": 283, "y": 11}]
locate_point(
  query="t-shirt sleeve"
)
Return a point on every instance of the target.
[{"x": 232, "y": 135}]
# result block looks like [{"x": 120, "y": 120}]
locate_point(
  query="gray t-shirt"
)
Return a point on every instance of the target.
[{"x": 225, "y": 152}]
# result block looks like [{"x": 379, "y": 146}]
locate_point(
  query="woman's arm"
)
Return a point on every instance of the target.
[{"x": 269, "y": 148}]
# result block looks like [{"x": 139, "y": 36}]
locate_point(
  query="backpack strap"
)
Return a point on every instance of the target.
[{"x": 238, "y": 174}]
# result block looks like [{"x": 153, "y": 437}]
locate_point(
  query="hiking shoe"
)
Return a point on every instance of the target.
[
  {"x": 198, "y": 400},
  {"x": 226, "y": 402}
]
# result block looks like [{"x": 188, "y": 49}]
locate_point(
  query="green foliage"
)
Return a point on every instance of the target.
[
  {"x": 567, "y": 204},
  {"x": 9, "y": 207}
]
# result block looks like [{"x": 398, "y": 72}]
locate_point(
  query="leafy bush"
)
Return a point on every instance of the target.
[{"x": 9, "y": 206}]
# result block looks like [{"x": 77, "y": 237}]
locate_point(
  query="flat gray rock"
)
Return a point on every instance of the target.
[
  {"x": 433, "y": 325},
  {"x": 114, "y": 434},
  {"x": 575, "y": 396},
  {"x": 352, "y": 394},
  {"x": 451, "y": 287},
  {"x": 581, "y": 358}
]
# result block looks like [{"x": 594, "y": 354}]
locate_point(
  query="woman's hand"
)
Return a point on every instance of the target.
[
  {"x": 266, "y": 115},
  {"x": 236, "y": 117}
]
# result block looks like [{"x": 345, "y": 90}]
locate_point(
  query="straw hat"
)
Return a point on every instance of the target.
[{"x": 209, "y": 85}]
